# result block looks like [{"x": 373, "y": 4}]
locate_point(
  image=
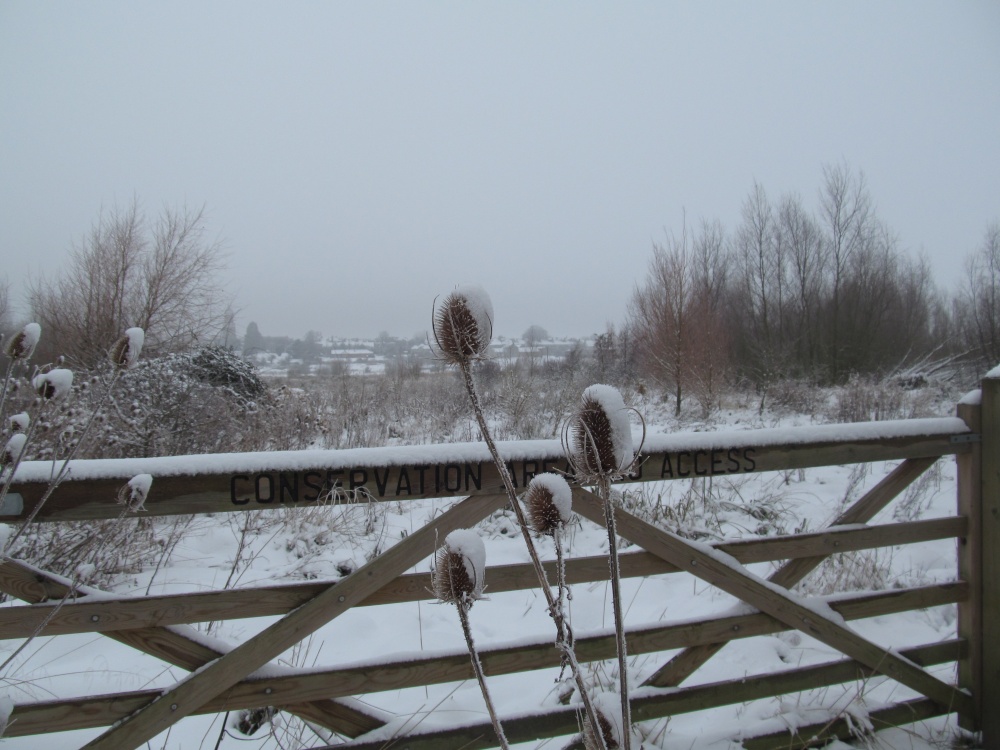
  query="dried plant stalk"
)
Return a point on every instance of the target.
[
  {"x": 463, "y": 325},
  {"x": 458, "y": 579}
]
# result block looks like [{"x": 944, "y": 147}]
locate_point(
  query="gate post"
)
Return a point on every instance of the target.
[
  {"x": 989, "y": 653},
  {"x": 970, "y": 613}
]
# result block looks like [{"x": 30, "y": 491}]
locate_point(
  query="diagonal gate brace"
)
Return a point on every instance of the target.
[
  {"x": 217, "y": 676},
  {"x": 724, "y": 572},
  {"x": 688, "y": 661}
]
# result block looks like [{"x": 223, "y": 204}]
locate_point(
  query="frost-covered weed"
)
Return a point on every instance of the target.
[{"x": 715, "y": 508}]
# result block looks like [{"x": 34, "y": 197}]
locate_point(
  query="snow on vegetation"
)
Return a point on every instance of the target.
[
  {"x": 294, "y": 545},
  {"x": 54, "y": 384}
]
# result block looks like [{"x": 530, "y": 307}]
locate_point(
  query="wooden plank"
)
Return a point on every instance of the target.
[
  {"x": 175, "y": 648},
  {"x": 970, "y": 560},
  {"x": 308, "y": 685},
  {"x": 732, "y": 578},
  {"x": 840, "y": 728},
  {"x": 687, "y": 662},
  {"x": 989, "y": 656},
  {"x": 564, "y": 721},
  {"x": 215, "y": 677},
  {"x": 273, "y": 484},
  {"x": 106, "y": 615}
]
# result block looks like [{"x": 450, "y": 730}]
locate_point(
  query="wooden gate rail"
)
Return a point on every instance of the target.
[
  {"x": 238, "y": 482},
  {"x": 103, "y": 614},
  {"x": 660, "y": 704},
  {"x": 224, "y": 681},
  {"x": 377, "y": 676}
]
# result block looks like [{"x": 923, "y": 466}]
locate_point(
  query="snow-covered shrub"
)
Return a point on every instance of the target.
[
  {"x": 867, "y": 398},
  {"x": 110, "y": 549},
  {"x": 197, "y": 402}
]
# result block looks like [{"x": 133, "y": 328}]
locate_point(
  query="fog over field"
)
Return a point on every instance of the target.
[{"x": 353, "y": 159}]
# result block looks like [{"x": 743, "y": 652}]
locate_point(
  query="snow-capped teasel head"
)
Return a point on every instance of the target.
[
  {"x": 19, "y": 422},
  {"x": 549, "y": 503},
  {"x": 22, "y": 344},
  {"x": 53, "y": 384},
  {"x": 459, "y": 567},
  {"x": 133, "y": 493},
  {"x": 12, "y": 451},
  {"x": 124, "y": 353},
  {"x": 598, "y": 438},
  {"x": 463, "y": 324}
]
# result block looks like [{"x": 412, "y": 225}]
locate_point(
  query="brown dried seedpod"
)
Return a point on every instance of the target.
[
  {"x": 463, "y": 325},
  {"x": 458, "y": 568},
  {"x": 53, "y": 384},
  {"x": 549, "y": 503},
  {"x": 124, "y": 353},
  {"x": 22, "y": 344},
  {"x": 598, "y": 437}
]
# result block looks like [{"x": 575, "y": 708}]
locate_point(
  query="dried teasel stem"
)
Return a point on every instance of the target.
[
  {"x": 463, "y": 327},
  {"x": 458, "y": 579},
  {"x": 598, "y": 444},
  {"x": 548, "y": 501}
]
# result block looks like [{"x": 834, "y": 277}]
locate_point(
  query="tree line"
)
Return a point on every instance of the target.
[{"x": 818, "y": 296}]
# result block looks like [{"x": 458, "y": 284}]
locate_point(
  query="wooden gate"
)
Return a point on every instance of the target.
[{"x": 222, "y": 681}]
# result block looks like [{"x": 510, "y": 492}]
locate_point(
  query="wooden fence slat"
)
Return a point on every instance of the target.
[
  {"x": 307, "y": 685},
  {"x": 687, "y": 662},
  {"x": 970, "y": 559},
  {"x": 173, "y": 647},
  {"x": 840, "y": 728},
  {"x": 564, "y": 721},
  {"x": 104, "y": 615},
  {"x": 200, "y": 687},
  {"x": 777, "y": 602},
  {"x": 989, "y": 655}
]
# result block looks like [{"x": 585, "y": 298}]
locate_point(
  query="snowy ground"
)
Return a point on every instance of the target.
[{"x": 283, "y": 548}]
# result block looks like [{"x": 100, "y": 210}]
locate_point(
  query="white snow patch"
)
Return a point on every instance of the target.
[{"x": 972, "y": 398}]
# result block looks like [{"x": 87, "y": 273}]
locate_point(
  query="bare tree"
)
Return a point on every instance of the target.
[
  {"x": 162, "y": 276},
  {"x": 677, "y": 317},
  {"x": 978, "y": 305},
  {"x": 657, "y": 317},
  {"x": 805, "y": 254},
  {"x": 847, "y": 214}
]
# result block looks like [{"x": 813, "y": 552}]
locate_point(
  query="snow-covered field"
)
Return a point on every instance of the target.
[{"x": 286, "y": 546}]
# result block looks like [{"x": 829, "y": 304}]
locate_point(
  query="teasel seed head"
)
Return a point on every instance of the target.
[
  {"x": 459, "y": 565},
  {"x": 22, "y": 344},
  {"x": 549, "y": 503},
  {"x": 463, "y": 324},
  {"x": 124, "y": 353},
  {"x": 134, "y": 492},
  {"x": 53, "y": 384},
  {"x": 19, "y": 422},
  {"x": 598, "y": 438},
  {"x": 12, "y": 451}
]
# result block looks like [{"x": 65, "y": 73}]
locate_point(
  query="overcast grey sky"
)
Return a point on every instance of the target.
[{"x": 359, "y": 158}]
